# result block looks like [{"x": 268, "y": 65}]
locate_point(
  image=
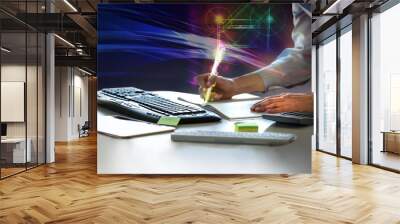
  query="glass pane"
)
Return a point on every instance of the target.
[
  {"x": 386, "y": 89},
  {"x": 23, "y": 87},
  {"x": 13, "y": 86},
  {"x": 32, "y": 86},
  {"x": 41, "y": 98},
  {"x": 346, "y": 94},
  {"x": 32, "y": 95},
  {"x": 327, "y": 97}
]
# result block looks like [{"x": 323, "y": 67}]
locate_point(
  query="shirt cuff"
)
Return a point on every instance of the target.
[{"x": 270, "y": 78}]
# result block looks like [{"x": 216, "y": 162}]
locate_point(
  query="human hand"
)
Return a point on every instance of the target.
[
  {"x": 224, "y": 88},
  {"x": 289, "y": 102}
]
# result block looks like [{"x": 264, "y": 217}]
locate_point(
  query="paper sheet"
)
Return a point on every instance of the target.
[
  {"x": 234, "y": 109},
  {"x": 121, "y": 128},
  {"x": 238, "y": 107},
  {"x": 196, "y": 99}
]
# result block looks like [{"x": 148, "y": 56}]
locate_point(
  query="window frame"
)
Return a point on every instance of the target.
[{"x": 333, "y": 37}]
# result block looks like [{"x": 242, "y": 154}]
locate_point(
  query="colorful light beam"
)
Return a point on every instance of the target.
[{"x": 219, "y": 55}]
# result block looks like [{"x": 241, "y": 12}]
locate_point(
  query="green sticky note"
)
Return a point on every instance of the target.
[
  {"x": 170, "y": 121},
  {"x": 246, "y": 127}
]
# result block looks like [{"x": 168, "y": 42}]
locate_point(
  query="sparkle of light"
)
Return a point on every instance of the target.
[{"x": 219, "y": 19}]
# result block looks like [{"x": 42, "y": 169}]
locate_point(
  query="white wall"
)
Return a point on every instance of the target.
[
  {"x": 80, "y": 110},
  {"x": 61, "y": 103},
  {"x": 33, "y": 126},
  {"x": 71, "y": 102},
  {"x": 14, "y": 73},
  {"x": 17, "y": 73}
]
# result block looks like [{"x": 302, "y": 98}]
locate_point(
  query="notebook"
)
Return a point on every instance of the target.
[
  {"x": 123, "y": 128},
  {"x": 238, "y": 107}
]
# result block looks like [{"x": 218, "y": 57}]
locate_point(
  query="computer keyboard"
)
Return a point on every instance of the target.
[
  {"x": 147, "y": 106},
  {"x": 252, "y": 138},
  {"x": 296, "y": 118}
]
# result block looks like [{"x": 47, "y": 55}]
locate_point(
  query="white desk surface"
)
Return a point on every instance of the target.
[
  {"x": 157, "y": 154},
  {"x": 13, "y": 140}
]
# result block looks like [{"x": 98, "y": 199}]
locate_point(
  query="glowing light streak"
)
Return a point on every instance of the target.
[{"x": 219, "y": 55}]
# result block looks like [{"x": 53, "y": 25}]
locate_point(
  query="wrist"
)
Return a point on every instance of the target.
[
  {"x": 248, "y": 83},
  {"x": 237, "y": 86}
]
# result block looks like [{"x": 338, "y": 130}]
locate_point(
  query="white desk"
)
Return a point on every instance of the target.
[
  {"x": 157, "y": 154},
  {"x": 19, "y": 155}
]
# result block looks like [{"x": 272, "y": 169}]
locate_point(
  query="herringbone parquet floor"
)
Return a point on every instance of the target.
[{"x": 69, "y": 191}]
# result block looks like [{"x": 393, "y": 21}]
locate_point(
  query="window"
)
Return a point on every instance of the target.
[
  {"x": 327, "y": 96},
  {"x": 385, "y": 89},
  {"x": 22, "y": 77},
  {"x": 346, "y": 93}
]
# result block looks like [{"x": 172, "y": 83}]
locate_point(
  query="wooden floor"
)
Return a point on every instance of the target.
[
  {"x": 5, "y": 172},
  {"x": 69, "y": 191},
  {"x": 387, "y": 159}
]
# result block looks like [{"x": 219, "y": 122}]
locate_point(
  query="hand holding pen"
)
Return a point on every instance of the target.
[
  {"x": 223, "y": 88},
  {"x": 219, "y": 55}
]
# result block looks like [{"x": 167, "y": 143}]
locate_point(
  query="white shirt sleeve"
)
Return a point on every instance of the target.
[{"x": 293, "y": 65}]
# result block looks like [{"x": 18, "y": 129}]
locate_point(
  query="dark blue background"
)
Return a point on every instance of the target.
[{"x": 133, "y": 47}]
